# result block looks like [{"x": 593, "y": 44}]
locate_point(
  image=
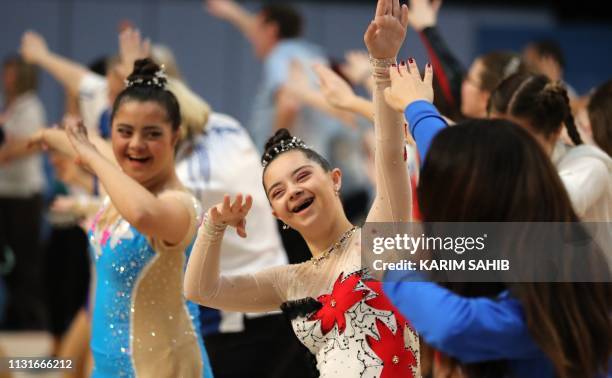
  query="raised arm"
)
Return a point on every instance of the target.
[
  {"x": 340, "y": 95},
  {"x": 413, "y": 96},
  {"x": 357, "y": 69},
  {"x": 383, "y": 39},
  {"x": 258, "y": 292},
  {"x": 13, "y": 149},
  {"x": 69, "y": 73},
  {"x": 57, "y": 140},
  {"x": 232, "y": 12},
  {"x": 299, "y": 85},
  {"x": 163, "y": 217},
  {"x": 423, "y": 18}
]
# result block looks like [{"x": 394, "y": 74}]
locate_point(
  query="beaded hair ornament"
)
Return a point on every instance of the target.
[
  {"x": 159, "y": 80},
  {"x": 280, "y": 147}
]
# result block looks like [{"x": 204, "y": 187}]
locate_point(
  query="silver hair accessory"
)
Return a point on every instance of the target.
[
  {"x": 159, "y": 80},
  {"x": 282, "y": 146}
]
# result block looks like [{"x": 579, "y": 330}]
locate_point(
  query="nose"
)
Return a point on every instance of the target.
[
  {"x": 296, "y": 193},
  {"x": 136, "y": 142}
]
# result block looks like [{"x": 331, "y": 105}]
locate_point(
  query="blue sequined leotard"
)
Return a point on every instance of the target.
[{"x": 142, "y": 325}]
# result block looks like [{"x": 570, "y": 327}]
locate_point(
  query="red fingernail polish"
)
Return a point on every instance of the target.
[
  {"x": 394, "y": 65},
  {"x": 428, "y": 65},
  {"x": 402, "y": 63},
  {"x": 411, "y": 60}
]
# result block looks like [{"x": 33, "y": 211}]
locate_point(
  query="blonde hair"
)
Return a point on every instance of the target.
[
  {"x": 194, "y": 110},
  {"x": 162, "y": 55}
]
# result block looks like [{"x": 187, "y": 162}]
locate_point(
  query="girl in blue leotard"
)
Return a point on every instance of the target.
[{"x": 142, "y": 325}]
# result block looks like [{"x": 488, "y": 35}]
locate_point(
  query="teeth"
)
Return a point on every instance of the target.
[{"x": 301, "y": 206}]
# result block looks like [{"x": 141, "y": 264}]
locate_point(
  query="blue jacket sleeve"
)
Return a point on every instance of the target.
[
  {"x": 469, "y": 329},
  {"x": 424, "y": 122}
]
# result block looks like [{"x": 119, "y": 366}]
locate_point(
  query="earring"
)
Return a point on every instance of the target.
[
  {"x": 337, "y": 192},
  {"x": 285, "y": 227}
]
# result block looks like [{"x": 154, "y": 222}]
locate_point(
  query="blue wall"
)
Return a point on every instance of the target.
[{"x": 219, "y": 65}]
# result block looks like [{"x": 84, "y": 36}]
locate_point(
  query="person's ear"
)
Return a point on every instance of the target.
[{"x": 336, "y": 176}]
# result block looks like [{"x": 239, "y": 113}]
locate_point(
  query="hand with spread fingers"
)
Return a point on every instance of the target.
[
  {"x": 407, "y": 86},
  {"x": 356, "y": 67},
  {"x": 336, "y": 91},
  {"x": 423, "y": 13},
  {"x": 232, "y": 213},
  {"x": 386, "y": 33},
  {"x": 77, "y": 135},
  {"x": 131, "y": 48}
]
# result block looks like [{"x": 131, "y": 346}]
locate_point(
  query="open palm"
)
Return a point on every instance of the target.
[{"x": 386, "y": 33}]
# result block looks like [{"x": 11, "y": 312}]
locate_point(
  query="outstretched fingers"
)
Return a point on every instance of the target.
[
  {"x": 383, "y": 7},
  {"x": 237, "y": 205},
  {"x": 248, "y": 203},
  {"x": 396, "y": 8},
  {"x": 428, "y": 78},
  {"x": 414, "y": 68},
  {"x": 404, "y": 16}
]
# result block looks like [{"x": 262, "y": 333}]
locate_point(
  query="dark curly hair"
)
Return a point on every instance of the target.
[
  {"x": 145, "y": 84},
  {"x": 534, "y": 98}
]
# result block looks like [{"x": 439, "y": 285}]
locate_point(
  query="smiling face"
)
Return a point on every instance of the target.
[
  {"x": 301, "y": 192},
  {"x": 143, "y": 141}
]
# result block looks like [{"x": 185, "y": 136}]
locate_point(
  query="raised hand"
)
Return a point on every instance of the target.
[
  {"x": 423, "y": 13},
  {"x": 407, "y": 85},
  {"x": 232, "y": 213},
  {"x": 357, "y": 67},
  {"x": 33, "y": 47},
  {"x": 223, "y": 9},
  {"x": 77, "y": 135},
  {"x": 336, "y": 91},
  {"x": 131, "y": 48},
  {"x": 298, "y": 83},
  {"x": 386, "y": 33}
]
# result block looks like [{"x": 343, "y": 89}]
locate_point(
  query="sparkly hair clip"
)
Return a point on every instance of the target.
[
  {"x": 159, "y": 80},
  {"x": 282, "y": 146}
]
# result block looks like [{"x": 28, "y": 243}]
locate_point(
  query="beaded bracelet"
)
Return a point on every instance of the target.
[
  {"x": 382, "y": 63},
  {"x": 211, "y": 228},
  {"x": 380, "y": 67}
]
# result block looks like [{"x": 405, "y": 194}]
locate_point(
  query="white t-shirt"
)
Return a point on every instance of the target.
[
  {"x": 586, "y": 172},
  {"x": 23, "y": 177},
  {"x": 223, "y": 160},
  {"x": 93, "y": 100}
]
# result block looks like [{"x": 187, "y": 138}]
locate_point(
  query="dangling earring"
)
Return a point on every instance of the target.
[
  {"x": 337, "y": 192},
  {"x": 285, "y": 227}
]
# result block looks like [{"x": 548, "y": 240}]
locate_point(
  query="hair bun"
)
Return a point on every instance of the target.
[
  {"x": 552, "y": 98},
  {"x": 147, "y": 73},
  {"x": 279, "y": 136}
]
